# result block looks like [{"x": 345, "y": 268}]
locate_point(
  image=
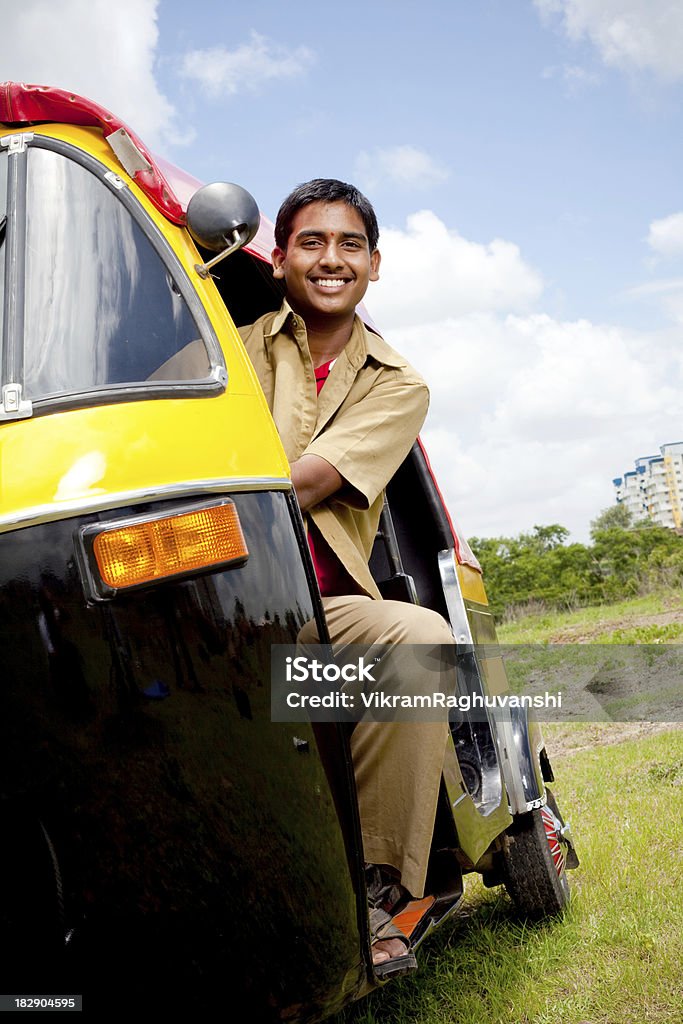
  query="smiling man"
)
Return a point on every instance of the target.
[{"x": 348, "y": 409}]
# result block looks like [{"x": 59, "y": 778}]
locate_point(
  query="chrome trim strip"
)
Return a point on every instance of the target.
[
  {"x": 11, "y": 371},
  {"x": 508, "y": 746},
  {"x": 457, "y": 613},
  {"x": 499, "y": 720},
  {"x": 99, "y": 503},
  {"x": 529, "y": 759},
  {"x": 142, "y": 391}
]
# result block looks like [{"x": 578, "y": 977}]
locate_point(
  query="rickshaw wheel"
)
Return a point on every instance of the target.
[{"x": 534, "y": 863}]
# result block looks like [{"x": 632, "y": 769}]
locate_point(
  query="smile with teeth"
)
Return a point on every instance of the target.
[{"x": 330, "y": 282}]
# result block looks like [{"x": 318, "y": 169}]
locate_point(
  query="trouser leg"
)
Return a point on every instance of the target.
[{"x": 397, "y": 765}]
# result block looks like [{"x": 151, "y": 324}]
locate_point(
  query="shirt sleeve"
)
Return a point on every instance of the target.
[{"x": 367, "y": 441}]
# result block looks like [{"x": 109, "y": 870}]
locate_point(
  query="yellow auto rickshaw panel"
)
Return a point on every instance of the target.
[
  {"x": 471, "y": 584},
  {"x": 128, "y": 452},
  {"x": 51, "y": 465}
]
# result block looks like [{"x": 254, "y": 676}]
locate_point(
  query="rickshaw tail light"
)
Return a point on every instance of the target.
[{"x": 142, "y": 552}]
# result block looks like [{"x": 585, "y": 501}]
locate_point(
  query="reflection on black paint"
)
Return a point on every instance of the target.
[{"x": 193, "y": 841}]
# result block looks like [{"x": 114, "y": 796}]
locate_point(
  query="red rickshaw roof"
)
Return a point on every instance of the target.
[{"x": 166, "y": 186}]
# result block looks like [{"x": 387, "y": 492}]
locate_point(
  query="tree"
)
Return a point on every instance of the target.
[
  {"x": 614, "y": 517},
  {"x": 546, "y": 538},
  {"x": 624, "y": 558},
  {"x": 533, "y": 567}
]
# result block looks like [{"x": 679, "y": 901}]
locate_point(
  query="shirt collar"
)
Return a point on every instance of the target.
[
  {"x": 283, "y": 314},
  {"x": 363, "y": 342}
]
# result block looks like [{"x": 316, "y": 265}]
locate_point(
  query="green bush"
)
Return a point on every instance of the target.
[{"x": 541, "y": 569}]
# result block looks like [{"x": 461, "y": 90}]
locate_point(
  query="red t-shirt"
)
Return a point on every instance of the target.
[{"x": 333, "y": 579}]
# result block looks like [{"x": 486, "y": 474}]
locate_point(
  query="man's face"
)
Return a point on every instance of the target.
[{"x": 327, "y": 264}]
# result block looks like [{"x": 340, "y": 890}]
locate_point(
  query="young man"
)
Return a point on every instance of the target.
[{"x": 348, "y": 409}]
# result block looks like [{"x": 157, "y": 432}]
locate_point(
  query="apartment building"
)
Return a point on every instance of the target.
[{"x": 654, "y": 488}]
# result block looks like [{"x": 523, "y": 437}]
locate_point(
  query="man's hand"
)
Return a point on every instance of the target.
[{"x": 314, "y": 480}]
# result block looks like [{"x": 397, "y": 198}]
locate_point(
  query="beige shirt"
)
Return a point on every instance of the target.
[{"x": 363, "y": 423}]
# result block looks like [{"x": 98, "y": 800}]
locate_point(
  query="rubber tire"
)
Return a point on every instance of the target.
[{"x": 529, "y": 872}]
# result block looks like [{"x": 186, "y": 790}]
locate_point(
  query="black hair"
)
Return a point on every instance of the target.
[{"x": 324, "y": 190}]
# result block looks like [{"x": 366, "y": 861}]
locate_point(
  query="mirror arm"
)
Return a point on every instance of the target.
[{"x": 237, "y": 241}]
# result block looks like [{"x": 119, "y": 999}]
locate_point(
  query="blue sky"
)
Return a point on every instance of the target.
[{"x": 524, "y": 158}]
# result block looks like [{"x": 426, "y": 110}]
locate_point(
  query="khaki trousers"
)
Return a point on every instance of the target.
[{"x": 397, "y": 765}]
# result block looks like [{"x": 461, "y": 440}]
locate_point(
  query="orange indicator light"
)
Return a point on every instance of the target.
[{"x": 142, "y": 552}]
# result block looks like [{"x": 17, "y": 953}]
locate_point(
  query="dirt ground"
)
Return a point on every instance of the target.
[
  {"x": 583, "y": 634},
  {"x": 615, "y": 691}
]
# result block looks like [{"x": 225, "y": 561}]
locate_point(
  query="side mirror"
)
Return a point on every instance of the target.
[{"x": 222, "y": 217}]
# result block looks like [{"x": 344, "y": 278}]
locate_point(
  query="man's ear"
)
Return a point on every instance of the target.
[
  {"x": 375, "y": 260},
  {"x": 278, "y": 258}
]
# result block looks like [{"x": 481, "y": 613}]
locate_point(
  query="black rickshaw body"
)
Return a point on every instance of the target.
[{"x": 162, "y": 837}]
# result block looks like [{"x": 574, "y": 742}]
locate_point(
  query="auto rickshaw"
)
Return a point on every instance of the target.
[{"x": 163, "y": 839}]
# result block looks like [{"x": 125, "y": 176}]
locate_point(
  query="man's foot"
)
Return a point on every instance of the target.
[
  {"x": 384, "y": 950},
  {"x": 391, "y": 952}
]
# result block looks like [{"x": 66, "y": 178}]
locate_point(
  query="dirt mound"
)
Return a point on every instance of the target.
[{"x": 585, "y": 634}]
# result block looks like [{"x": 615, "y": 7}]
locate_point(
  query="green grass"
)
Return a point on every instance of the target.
[
  {"x": 620, "y": 661},
  {"x": 618, "y": 618},
  {"x": 653, "y": 634},
  {"x": 615, "y": 956}
]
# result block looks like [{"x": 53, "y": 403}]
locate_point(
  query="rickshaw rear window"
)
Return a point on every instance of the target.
[{"x": 101, "y": 307}]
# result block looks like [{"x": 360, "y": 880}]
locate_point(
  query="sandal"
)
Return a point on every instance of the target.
[
  {"x": 384, "y": 897},
  {"x": 381, "y": 929}
]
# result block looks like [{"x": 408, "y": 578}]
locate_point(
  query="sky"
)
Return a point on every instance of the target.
[{"x": 525, "y": 161}]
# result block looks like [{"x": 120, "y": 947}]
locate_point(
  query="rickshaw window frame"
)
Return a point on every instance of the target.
[
  {"x": 5, "y": 283},
  {"x": 109, "y": 394},
  {"x": 11, "y": 334}
]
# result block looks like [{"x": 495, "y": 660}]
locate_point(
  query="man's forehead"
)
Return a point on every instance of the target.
[{"x": 320, "y": 218}]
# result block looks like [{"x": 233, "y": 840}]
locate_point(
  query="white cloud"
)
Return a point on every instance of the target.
[
  {"x": 666, "y": 235},
  {"x": 530, "y": 417},
  {"x": 629, "y": 34},
  {"x": 222, "y": 72},
  {"x": 579, "y": 381},
  {"x": 405, "y": 166},
  {"x": 430, "y": 272},
  {"x": 665, "y": 286},
  {"x": 574, "y": 77},
  {"x": 95, "y": 48},
  {"x": 665, "y": 293}
]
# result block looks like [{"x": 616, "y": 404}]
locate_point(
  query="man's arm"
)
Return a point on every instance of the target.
[
  {"x": 368, "y": 441},
  {"x": 314, "y": 480}
]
